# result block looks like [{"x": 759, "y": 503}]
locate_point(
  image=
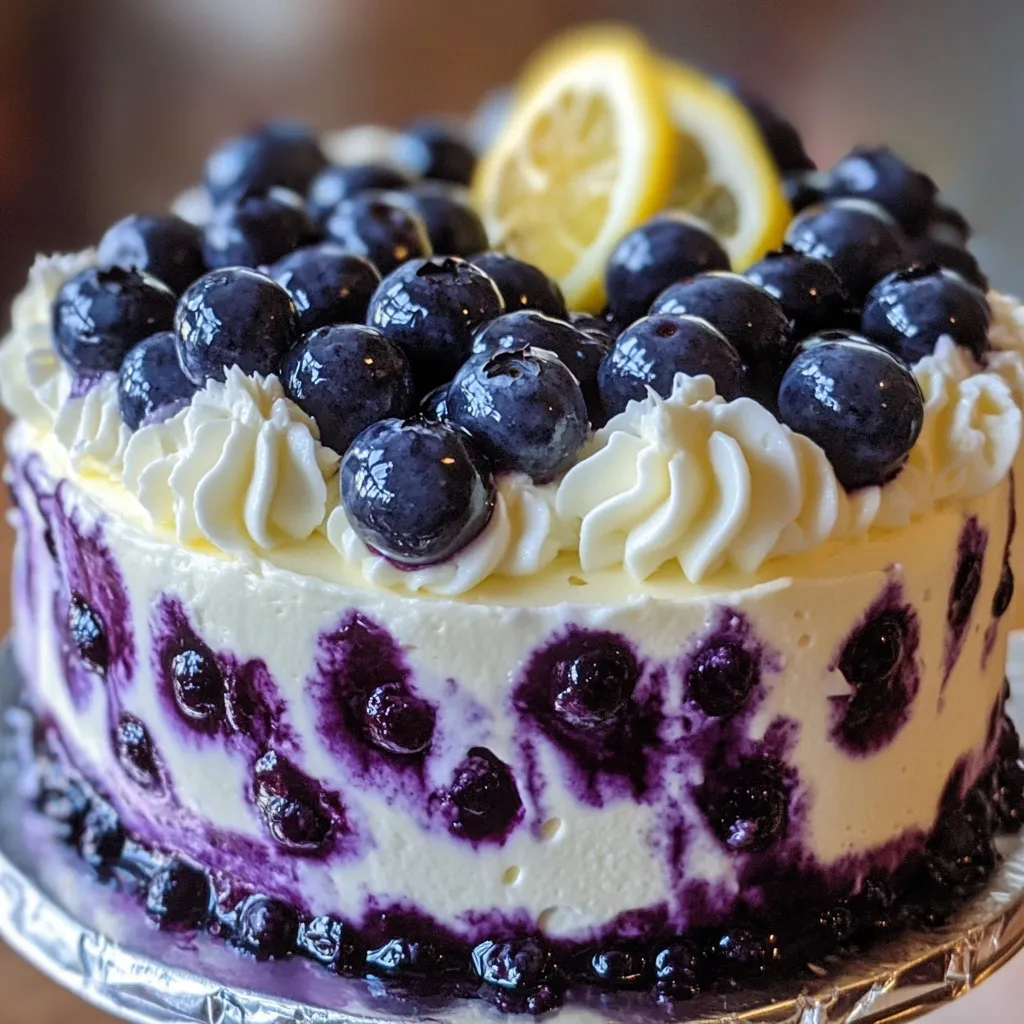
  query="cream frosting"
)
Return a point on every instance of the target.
[{"x": 90, "y": 428}]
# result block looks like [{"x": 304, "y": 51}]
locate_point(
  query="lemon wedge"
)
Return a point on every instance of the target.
[{"x": 588, "y": 153}]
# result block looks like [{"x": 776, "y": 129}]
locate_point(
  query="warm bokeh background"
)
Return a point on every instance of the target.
[{"x": 108, "y": 106}]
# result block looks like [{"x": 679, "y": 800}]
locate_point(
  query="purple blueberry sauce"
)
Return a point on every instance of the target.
[
  {"x": 963, "y": 591},
  {"x": 1003, "y": 596}
]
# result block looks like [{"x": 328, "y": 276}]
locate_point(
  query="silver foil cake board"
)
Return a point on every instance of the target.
[{"x": 97, "y": 942}]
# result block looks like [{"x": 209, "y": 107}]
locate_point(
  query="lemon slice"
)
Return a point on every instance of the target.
[
  {"x": 588, "y": 153},
  {"x": 725, "y": 174}
]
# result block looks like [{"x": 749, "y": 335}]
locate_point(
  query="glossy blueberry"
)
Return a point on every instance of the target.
[
  {"x": 807, "y": 289},
  {"x": 434, "y": 404},
  {"x": 859, "y": 239},
  {"x": 931, "y": 251},
  {"x": 524, "y": 409},
  {"x": 281, "y": 154},
  {"x": 374, "y": 226},
  {"x": 416, "y": 491},
  {"x": 437, "y": 149},
  {"x": 743, "y": 952},
  {"x": 167, "y": 248},
  {"x": 197, "y": 685},
  {"x": 99, "y": 316},
  {"x": 910, "y": 310},
  {"x": 858, "y": 401},
  {"x": 257, "y": 230},
  {"x": 430, "y": 308},
  {"x": 880, "y": 176},
  {"x": 668, "y": 248},
  {"x": 875, "y": 652},
  {"x": 327, "y": 284},
  {"x": 582, "y": 353},
  {"x": 1004, "y": 593},
  {"x": 289, "y": 804},
  {"x": 179, "y": 897},
  {"x": 948, "y": 225},
  {"x": 407, "y": 959},
  {"x": 781, "y": 137},
  {"x": 151, "y": 379},
  {"x": 747, "y": 806},
  {"x": 619, "y": 968},
  {"x": 594, "y": 688},
  {"x": 266, "y": 927},
  {"x": 804, "y": 188},
  {"x": 453, "y": 226},
  {"x": 398, "y": 722},
  {"x": 234, "y": 317},
  {"x": 522, "y": 285},
  {"x": 598, "y": 327},
  {"x": 330, "y": 943},
  {"x": 134, "y": 748},
  {"x": 483, "y": 801},
  {"x": 721, "y": 677},
  {"x": 677, "y": 971},
  {"x": 102, "y": 836},
  {"x": 88, "y": 633},
  {"x": 338, "y": 182},
  {"x": 520, "y": 969},
  {"x": 347, "y": 377},
  {"x": 650, "y": 352}
]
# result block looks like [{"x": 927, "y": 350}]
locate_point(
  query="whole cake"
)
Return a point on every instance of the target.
[{"x": 495, "y": 593}]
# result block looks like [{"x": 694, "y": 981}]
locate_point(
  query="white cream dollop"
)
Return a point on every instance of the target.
[
  {"x": 241, "y": 467},
  {"x": 90, "y": 428}
]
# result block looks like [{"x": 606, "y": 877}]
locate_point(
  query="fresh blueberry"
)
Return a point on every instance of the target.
[
  {"x": 257, "y": 230},
  {"x": 1004, "y": 593},
  {"x": 483, "y": 801},
  {"x": 858, "y": 401},
  {"x": 328, "y": 942},
  {"x": 397, "y": 721},
  {"x": 518, "y": 972},
  {"x": 88, "y": 634},
  {"x": 619, "y": 968},
  {"x": 910, "y": 310},
  {"x": 677, "y": 971},
  {"x": 859, "y": 239},
  {"x": 151, "y": 379},
  {"x": 436, "y": 149},
  {"x": 327, "y": 284},
  {"x": 747, "y": 315},
  {"x": 652, "y": 351},
  {"x": 743, "y": 953},
  {"x": 99, "y": 316},
  {"x": 781, "y": 137},
  {"x": 167, "y": 248},
  {"x": 804, "y": 188},
  {"x": 522, "y": 285},
  {"x": 266, "y": 927},
  {"x": 593, "y": 688},
  {"x": 434, "y": 404},
  {"x": 234, "y": 317},
  {"x": 524, "y": 408},
  {"x": 808, "y": 290},
  {"x": 597, "y": 327},
  {"x": 198, "y": 685},
  {"x": 931, "y": 251},
  {"x": 408, "y": 959},
  {"x": 875, "y": 652},
  {"x": 747, "y": 806},
  {"x": 415, "y": 491},
  {"x": 102, "y": 836},
  {"x": 668, "y": 248},
  {"x": 374, "y": 226},
  {"x": 453, "y": 226},
  {"x": 289, "y": 804},
  {"x": 581, "y": 353},
  {"x": 948, "y": 226},
  {"x": 430, "y": 308},
  {"x": 880, "y": 176},
  {"x": 179, "y": 897},
  {"x": 282, "y": 154},
  {"x": 347, "y": 377},
  {"x": 721, "y": 677},
  {"x": 338, "y": 182},
  {"x": 134, "y": 748}
]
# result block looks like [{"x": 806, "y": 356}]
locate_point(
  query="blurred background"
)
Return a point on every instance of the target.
[{"x": 109, "y": 106}]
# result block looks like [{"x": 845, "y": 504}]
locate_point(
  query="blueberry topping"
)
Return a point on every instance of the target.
[
  {"x": 257, "y": 230},
  {"x": 327, "y": 284},
  {"x": 967, "y": 579},
  {"x": 266, "y": 927},
  {"x": 289, "y": 804},
  {"x": 415, "y": 491},
  {"x": 743, "y": 952},
  {"x": 179, "y": 897},
  {"x": 524, "y": 408},
  {"x": 434, "y": 404},
  {"x": 1004, "y": 593},
  {"x": 929, "y": 251},
  {"x": 677, "y": 971},
  {"x": 405, "y": 958},
  {"x": 167, "y": 248},
  {"x": 483, "y": 801},
  {"x": 669, "y": 248},
  {"x": 347, "y": 377},
  {"x": 335, "y": 183},
  {"x": 102, "y": 836},
  {"x": 234, "y": 317},
  {"x": 880, "y": 176},
  {"x": 281, "y": 154},
  {"x": 747, "y": 806},
  {"x": 379, "y": 229},
  {"x": 522, "y": 285},
  {"x": 151, "y": 379},
  {"x": 453, "y": 226},
  {"x": 135, "y": 752},
  {"x": 328, "y": 942},
  {"x": 582, "y": 353},
  {"x": 430, "y": 309},
  {"x": 520, "y": 969},
  {"x": 858, "y": 401},
  {"x": 593, "y": 688},
  {"x": 598, "y": 327},
  {"x": 88, "y": 634},
  {"x": 859, "y": 239},
  {"x": 804, "y": 188},
  {"x": 198, "y": 685},
  {"x": 808, "y": 290},
  {"x": 909, "y": 311},
  {"x": 874, "y": 653},
  {"x": 721, "y": 677},
  {"x": 398, "y": 722},
  {"x": 650, "y": 353},
  {"x": 781, "y": 137},
  {"x": 435, "y": 149},
  {"x": 99, "y": 316}
]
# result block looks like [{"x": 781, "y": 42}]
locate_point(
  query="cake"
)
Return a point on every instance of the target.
[{"x": 662, "y": 648}]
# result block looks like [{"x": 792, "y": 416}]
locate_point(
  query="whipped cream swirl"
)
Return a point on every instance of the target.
[{"x": 90, "y": 428}]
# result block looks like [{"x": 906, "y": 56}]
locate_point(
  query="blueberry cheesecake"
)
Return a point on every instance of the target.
[{"x": 515, "y": 580}]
